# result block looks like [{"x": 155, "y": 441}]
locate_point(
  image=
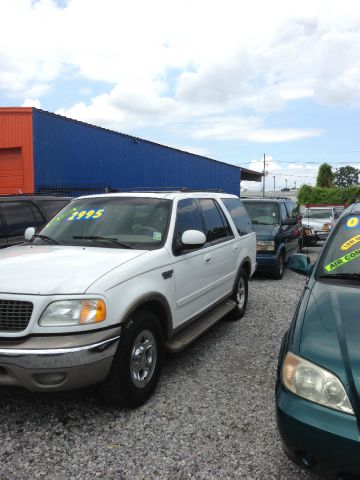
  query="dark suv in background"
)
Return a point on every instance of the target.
[
  {"x": 278, "y": 229},
  {"x": 17, "y": 212}
]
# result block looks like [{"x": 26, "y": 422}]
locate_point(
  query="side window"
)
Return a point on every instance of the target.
[
  {"x": 188, "y": 217},
  {"x": 283, "y": 212},
  {"x": 20, "y": 215},
  {"x": 2, "y": 229},
  {"x": 292, "y": 211},
  {"x": 238, "y": 214},
  {"x": 216, "y": 225},
  {"x": 52, "y": 207}
]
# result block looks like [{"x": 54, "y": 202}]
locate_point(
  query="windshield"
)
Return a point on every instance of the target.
[
  {"x": 262, "y": 213},
  {"x": 319, "y": 213},
  {"x": 342, "y": 254},
  {"x": 117, "y": 222}
]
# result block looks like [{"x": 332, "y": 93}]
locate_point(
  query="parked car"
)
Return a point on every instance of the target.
[
  {"x": 278, "y": 229},
  {"x": 17, "y": 212},
  {"x": 318, "y": 383},
  {"x": 114, "y": 279},
  {"x": 321, "y": 220}
]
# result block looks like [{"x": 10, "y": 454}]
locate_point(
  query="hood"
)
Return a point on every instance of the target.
[
  {"x": 317, "y": 223},
  {"x": 266, "y": 232},
  {"x": 53, "y": 269},
  {"x": 331, "y": 330}
]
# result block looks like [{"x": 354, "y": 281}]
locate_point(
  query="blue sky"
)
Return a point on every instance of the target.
[{"x": 233, "y": 83}]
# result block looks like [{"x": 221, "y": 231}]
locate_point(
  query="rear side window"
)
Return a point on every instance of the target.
[
  {"x": 20, "y": 215},
  {"x": 52, "y": 207},
  {"x": 238, "y": 214},
  {"x": 216, "y": 224}
]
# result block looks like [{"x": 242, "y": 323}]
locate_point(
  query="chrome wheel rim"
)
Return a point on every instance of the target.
[
  {"x": 241, "y": 293},
  {"x": 143, "y": 358}
]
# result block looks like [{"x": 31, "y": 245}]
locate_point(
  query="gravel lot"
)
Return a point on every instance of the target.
[{"x": 211, "y": 417}]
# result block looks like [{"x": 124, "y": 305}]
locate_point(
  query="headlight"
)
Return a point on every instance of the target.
[
  {"x": 309, "y": 381},
  {"x": 69, "y": 313},
  {"x": 265, "y": 245}
]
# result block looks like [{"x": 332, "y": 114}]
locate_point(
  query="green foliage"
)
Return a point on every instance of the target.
[
  {"x": 346, "y": 176},
  {"x": 309, "y": 194},
  {"x": 325, "y": 176}
]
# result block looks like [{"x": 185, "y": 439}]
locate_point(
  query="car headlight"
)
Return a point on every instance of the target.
[
  {"x": 265, "y": 245},
  {"x": 69, "y": 313},
  {"x": 309, "y": 381}
]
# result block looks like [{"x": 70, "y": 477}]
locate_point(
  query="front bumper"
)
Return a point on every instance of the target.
[
  {"x": 58, "y": 362},
  {"x": 266, "y": 262},
  {"x": 317, "y": 438}
]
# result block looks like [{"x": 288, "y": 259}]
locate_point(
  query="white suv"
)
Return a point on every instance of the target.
[{"x": 112, "y": 280}]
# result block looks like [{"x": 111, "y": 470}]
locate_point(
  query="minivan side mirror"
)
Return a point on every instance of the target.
[
  {"x": 300, "y": 263},
  {"x": 289, "y": 221},
  {"x": 29, "y": 233}
]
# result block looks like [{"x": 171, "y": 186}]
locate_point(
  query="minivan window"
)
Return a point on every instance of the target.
[
  {"x": 238, "y": 214},
  {"x": 217, "y": 227},
  {"x": 263, "y": 213}
]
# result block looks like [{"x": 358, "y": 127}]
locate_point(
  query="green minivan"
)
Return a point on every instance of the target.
[{"x": 318, "y": 379}]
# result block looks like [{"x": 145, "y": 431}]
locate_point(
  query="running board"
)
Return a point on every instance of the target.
[{"x": 198, "y": 327}]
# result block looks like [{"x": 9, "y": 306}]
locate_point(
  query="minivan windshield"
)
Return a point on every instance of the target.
[
  {"x": 114, "y": 222},
  {"x": 263, "y": 213},
  {"x": 321, "y": 213},
  {"x": 342, "y": 255}
]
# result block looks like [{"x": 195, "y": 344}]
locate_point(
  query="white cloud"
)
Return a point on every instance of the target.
[
  {"x": 31, "y": 102},
  {"x": 173, "y": 62}
]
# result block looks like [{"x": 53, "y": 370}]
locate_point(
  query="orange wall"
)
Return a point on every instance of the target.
[{"x": 16, "y": 151}]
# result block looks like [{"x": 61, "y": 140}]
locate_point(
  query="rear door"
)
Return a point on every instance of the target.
[{"x": 293, "y": 232}]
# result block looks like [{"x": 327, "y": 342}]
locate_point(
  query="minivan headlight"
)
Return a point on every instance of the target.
[
  {"x": 309, "y": 381},
  {"x": 70, "y": 313},
  {"x": 265, "y": 245}
]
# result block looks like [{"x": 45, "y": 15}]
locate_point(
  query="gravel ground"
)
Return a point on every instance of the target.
[{"x": 211, "y": 417}]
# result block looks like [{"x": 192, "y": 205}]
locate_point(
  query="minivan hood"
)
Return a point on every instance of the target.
[
  {"x": 331, "y": 330},
  {"x": 266, "y": 232},
  {"x": 56, "y": 269}
]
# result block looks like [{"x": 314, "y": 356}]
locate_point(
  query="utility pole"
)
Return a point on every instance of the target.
[
  {"x": 295, "y": 185},
  {"x": 286, "y": 182},
  {"x": 274, "y": 182},
  {"x": 264, "y": 178}
]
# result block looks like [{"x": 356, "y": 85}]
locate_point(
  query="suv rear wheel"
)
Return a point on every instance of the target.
[
  {"x": 136, "y": 366},
  {"x": 240, "y": 295}
]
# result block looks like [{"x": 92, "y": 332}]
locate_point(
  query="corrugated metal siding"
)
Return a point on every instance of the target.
[
  {"x": 67, "y": 152},
  {"x": 16, "y": 151}
]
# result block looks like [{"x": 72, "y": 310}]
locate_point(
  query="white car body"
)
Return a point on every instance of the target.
[{"x": 181, "y": 287}]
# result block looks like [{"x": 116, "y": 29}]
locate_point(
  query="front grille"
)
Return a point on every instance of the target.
[{"x": 14, "y": 315}]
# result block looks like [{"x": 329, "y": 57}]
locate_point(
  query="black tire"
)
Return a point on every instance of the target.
[
  {"x": 240, "y": 295},
  {"x": 133, "y": 378},
  {"x": 278, "y": 271}
]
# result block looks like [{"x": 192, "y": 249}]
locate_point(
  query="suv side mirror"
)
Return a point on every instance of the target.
[
  {"x": 300, "y": 263},
  {"x": 29, "y": 233},
  {"x": 193, "y": 239}
]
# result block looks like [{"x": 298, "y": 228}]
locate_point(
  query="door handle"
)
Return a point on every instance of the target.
[
  {"x": 208, "y": 259},
  {"x": 236, "y": 249}
]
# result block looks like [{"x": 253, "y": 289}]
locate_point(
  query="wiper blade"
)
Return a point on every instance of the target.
[
  {"x": 102, "y": 239},
  {"x": 49, "y": 239},
  {"x": 350, "y": 276}
]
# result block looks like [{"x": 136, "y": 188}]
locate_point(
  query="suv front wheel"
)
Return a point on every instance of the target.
[
  {"x": 240, "y": 295},
  {"x": 279, "y": 268},
  {"x": 136, "y": 366}
]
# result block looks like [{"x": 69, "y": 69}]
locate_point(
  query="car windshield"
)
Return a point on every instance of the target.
[
  {"x": 262, "y": 213},
  {"x": 342, "y": 255},
  {"x": 114, "y": 222},
  {"x": 320, "y": 213}
]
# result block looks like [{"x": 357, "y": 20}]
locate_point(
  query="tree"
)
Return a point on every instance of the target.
[
  {"x": 346, "y": 177},
  {"x": 325, "y": 176}
]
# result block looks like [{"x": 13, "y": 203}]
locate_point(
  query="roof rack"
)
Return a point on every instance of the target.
[{"x": 268, "y": 198}]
